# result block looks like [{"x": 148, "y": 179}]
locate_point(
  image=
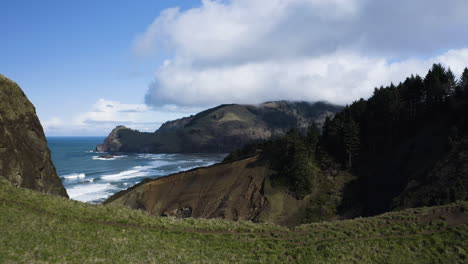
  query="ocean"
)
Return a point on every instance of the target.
[{"x": 91, "y": 179}]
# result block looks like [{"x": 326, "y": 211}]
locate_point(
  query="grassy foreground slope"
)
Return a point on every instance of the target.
[{"x": 39, "y": 228}]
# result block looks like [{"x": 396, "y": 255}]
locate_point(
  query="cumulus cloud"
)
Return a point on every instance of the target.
[
  {"x": 113, "y": 111},
  {"x": 336, "y": 50},
  {"x": 52, "y": 124},
  {"x": 338, "y": 77},
  {"x": 104, "y": 115}
]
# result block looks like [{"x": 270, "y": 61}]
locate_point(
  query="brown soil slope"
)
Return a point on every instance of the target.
[
  {"x": 24, "y": 157},
  {"x": 235, "y": 191}
]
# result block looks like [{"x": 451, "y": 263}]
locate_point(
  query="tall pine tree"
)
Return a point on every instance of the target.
[
  {"x": 351, "y": 140},
  {"x": 463, "y": 85}
]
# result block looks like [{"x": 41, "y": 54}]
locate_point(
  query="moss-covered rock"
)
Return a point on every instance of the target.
[{"x": 24, "y": 156}]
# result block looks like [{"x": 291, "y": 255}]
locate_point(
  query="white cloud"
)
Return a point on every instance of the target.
[
  {"x": 224, "y": 31},
  {"x": 112, "y": 111},
  {"x": 338, "y": 77},
  {"x": 104, "y": 115},
  {"x": 251, "y": 51},
  {"x": 52, "y": 124}
]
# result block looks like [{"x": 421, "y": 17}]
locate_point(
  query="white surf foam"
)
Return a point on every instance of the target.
[
  {"x": 186, "y": 168},
  {"x": 160, "y": 163},
  {"x": 143, "y": 167},
  {"x": 150, "y": 156},
  {"x": 109, "y": 181},
  {"x": 74, "y": 176},
  {"x": 114, "y": 158},
  {"x": 90, "y": 192},
  {"x": 125, "y": 175}
]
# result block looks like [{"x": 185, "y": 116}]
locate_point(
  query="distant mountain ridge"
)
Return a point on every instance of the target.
[
  {"x": 221, "y": 129},
  {"x": 406, "y": 146}
]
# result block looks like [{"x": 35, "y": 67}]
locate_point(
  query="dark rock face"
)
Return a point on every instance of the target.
[
  {"x": 221, "y": 129},
  {"x": 24, "y": 156}
]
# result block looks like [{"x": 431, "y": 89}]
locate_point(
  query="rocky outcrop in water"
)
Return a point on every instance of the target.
[{"x": 24, "y": 156}]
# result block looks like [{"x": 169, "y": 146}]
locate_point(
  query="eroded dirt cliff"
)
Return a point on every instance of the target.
[{"x": 239, "y": 190}]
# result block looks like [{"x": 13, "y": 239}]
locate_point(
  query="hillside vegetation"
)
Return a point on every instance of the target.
[
  {"x": 24, "y": 156},
  {"x": 406, "y": 146},
  {"x": 247, "y": 189},
  {"x": 220, "y": 129},
  {"x": 39, "y": 228}
]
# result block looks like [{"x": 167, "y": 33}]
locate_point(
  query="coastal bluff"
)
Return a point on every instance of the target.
[
  {"x": 25, "y": 159},
  {"x": 221, "y": 129},
  {"x": 239, "y": 190}
]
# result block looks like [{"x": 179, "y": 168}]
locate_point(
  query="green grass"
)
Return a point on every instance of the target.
[{"x": 38, "y": 228}]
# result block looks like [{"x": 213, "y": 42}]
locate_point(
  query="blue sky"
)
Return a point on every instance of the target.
[
  {"x": 90, "y": 65},
  {"x": 66, "y": 55}
]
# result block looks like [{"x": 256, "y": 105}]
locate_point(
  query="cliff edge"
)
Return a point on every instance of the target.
[
  {"x": 25, "y": 159},
  {"x": 239, "y": 190}
]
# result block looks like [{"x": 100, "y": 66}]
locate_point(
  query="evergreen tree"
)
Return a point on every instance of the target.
[
  {"x": 436, "y": 83},
  {"x": 413, "y": 95},
  {"x": 331, "y": 136},
  {"x": 351, "y": 140},
  {"x": 384, "y": 139},
  {"x": 294, "y": 164},
  {"x": 313, "y": 136},
  {"x": 451, "y": 85},
  {"x": 383, "y": 112},
  {"x": 301, "y": 172},
  {"x": 463, "y": 84}
]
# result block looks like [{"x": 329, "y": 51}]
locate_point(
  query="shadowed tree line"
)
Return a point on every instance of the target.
[
  {"x": 398, "y": 136},
  {"x": 395, "y": 113},
  {"x": 406, "y": 146}
]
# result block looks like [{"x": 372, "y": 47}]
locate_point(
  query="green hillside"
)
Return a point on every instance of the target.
[
  {"x": 39, "y": 228},
  {"x": 220, "y": 129}
]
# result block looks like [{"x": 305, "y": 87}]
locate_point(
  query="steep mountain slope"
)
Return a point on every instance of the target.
[
  {"x": 221, "y": 129},
  {"x": 24, "y": 156},
  {"x": 49, "y": 229},
  {"x": 233, "y": 191},
  {"x": 385, "y": 153},
  {"x": 238, "y": 190},
  {"x": 407, "y": 144}
]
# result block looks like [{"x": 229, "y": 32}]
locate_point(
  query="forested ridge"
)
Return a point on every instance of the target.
[{"x": 405, "y": 146}]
